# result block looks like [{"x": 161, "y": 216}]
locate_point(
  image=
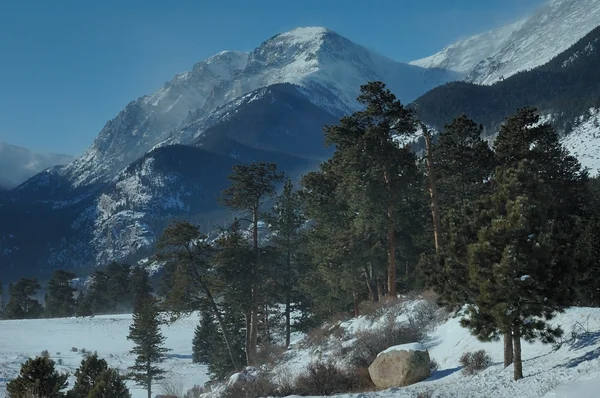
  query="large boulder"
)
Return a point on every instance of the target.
[{"x": 400, "y": 366}]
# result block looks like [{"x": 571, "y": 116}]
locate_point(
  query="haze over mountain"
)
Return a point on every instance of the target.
[{"x": 18, "y": 164}]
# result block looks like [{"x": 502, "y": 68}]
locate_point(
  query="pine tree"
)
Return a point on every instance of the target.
[
  {"x": 109, "y": 384},
  {"x": 118, "y": 288},
  {"x": 60, "y": 299},
  {"x": 251, "y": 186},
  {"x": 140, "y": 284},
  {"x": 20, "y": 304},
  {"x": 512, "y": 263},
  {"x": 38, "y": 379},
  {"x": 99, "y": 294},
  {"x": 86, "y": 375},
  {"x": 83, "y": 305},
  {"x": 148, "y": 339},
  {"x": 286, "y": 219},
  {"x": 379, "y": 176},
  {"x": 188, "y": 279},
  {"x": 208, "y": 346}
]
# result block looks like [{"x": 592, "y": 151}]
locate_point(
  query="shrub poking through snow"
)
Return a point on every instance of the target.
[
  {"x": 370, "y": 343},
  {"x": 475, "y": 362},
  {"x": 323, "y": 378},
  {"x": 258, "y": 385}
]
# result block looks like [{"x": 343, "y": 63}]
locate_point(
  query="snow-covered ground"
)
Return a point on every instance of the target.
[
  {"x": 573, "y": 370},
  {"x": 107, "y": 335},
  {"x": 584, "y": 141}
]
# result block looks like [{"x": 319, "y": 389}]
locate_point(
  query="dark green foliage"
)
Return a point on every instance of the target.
[
  {"x": 209, "y": 348},
  {"x": 463, "y": 162},
  {"x": 60, "y": 299},
  {"x": 148, "y": 339},
  {"x": 109, "y": 384},
  {"x": 86, "y": 375},
  {"x": 119, "y": 287},
  {"x": 569, "y": 90},
  {"x": 83, "y": 306},
  {"x": 95, "y": 379},
  {"x": 38, "y": 379},
  {"x": 189, "y": 281},
  {"x": 20, "y": 304},
  {"x": 140, "y": 285}
]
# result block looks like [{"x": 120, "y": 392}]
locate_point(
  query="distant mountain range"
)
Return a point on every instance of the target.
[
  {"x": 18, "y": 164},
  {"x": 167, "y": 155}
]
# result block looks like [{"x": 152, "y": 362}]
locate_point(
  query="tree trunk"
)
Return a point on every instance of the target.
[
  {"x": 391, "y": 289},
  {"x": 517, "y": 353},
  {"x": 288, "y": 321},
  {"x": 371, "y": 283},
  {"x": 248, "y": 325},
  {"x": 224, "y": 332},
  {"x": 508, "y": 349},
  {"x": 356, "y": 305},
  {"x": 435, "y": 209},
  {"x": 149, "y": 379},
  {"x": 251, "y": 350},
  {"x": 288, "y": 295}
]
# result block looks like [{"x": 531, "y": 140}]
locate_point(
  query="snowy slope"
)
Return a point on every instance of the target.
[
  {"x": 107, "y": 335},
  {"x": 573, "y": 370},
  {"x": 329, "y": 67},
  {"x": 584, "y": 141},
  {"x": 18, "y": 164},
  {"x": 551, "y": 30},
  {"x": 465, "y": 54},
  {"x": 489, "y": 57}
]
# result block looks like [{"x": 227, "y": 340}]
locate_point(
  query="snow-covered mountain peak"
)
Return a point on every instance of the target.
[{"x": 495, "y": 55}]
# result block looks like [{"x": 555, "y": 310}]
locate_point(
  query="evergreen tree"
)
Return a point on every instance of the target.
[
  {"x": 83, "y": 306},
  {"x": 379, "y": 176},
  {"x": 463, "y": 162},
  {"x": 189, "y": 280},
  {"x": 286, "y": 219},
  {"x": 251, "y": 186},
  {"x": 109, "y": 385},
  {"x": 38, "y": 379},
  {"x": 140, "y": 284},
  {"x": 94, "y": 378},
  {"x": 99, "y": 293},
  {"x": 145, "y": 333},
  {"x": 512, "y": 263},
  {"x": 20, "y": 304},
  {"x": 86, "y": 375},
  {"x": 208, "y": 346},
  {"x": 60, "y": 299},
  {"x": 119, "y": 283}
]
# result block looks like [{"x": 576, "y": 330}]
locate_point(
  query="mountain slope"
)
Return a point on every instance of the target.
[
  {"x": 496, "y": 55},
  {"x": 566, "y": 88},
  {"x": 18, "y": 164},
  {"x": 328, "y": 67},
  {"x": 465, "y": 54}
]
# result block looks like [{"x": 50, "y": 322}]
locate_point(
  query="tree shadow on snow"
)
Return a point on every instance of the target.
[
  {"x": 588, "y": 356},
  {"x": 440, "y": 374},
  {"x": 584, "y": 340}
]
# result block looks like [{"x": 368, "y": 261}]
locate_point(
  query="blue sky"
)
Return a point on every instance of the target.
[{"x": 69, "y": 66}]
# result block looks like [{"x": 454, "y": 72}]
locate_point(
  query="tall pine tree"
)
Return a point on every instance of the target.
[
  {"x": 148, "y": 339},
  {"x": 60, "y": 299},
  {"x": 251, "y": 186}
]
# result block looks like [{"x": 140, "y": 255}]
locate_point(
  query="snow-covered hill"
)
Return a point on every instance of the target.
[
  {"x": 18, "y": 164},
  {"x": 498, "y": 54},
  {"x": 328, "y": 67},
  {"x": 573, "y": 370},
  {"x": 465, "y": 54},
  {"x": 584, "y": 141}
]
